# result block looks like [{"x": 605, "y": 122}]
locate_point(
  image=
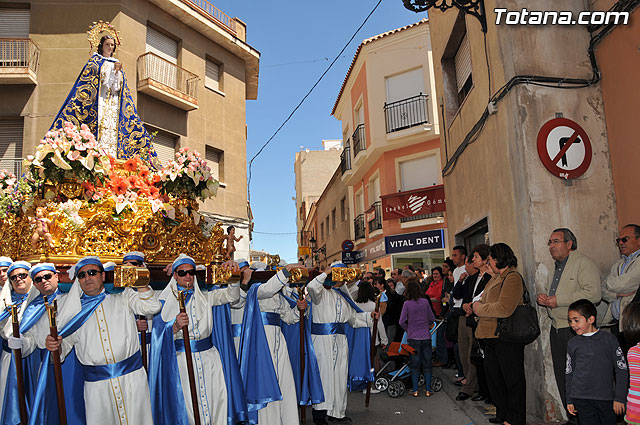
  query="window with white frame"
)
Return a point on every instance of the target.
[
  {"x": 374, "y": 190},
  {"x": 405, "y": 85},
  {"x": 419, "y": 172}
]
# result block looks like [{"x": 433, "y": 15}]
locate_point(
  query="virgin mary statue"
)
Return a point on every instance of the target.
[{"x": 100, "y": 98}]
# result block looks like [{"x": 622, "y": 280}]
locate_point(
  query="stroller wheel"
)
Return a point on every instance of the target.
[
  {"x": 436, "y": 384},
  {"x": 421, "y": 380},
  {"x": 396, "y": 389},
  {"x": 381, "y": 384}
]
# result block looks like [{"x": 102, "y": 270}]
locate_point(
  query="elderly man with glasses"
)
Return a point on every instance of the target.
[
  {"x": 575, "y": 277},
  {"x": 621, "y": 285},
  {"x": 105, "y": 338}
]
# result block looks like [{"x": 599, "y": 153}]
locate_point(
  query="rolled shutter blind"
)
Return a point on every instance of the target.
[
  {"x": 165, "y": 146},
  {"x": 14, "y": 23},
  {"x": 11, "y": 145},
  {"x": 213, "y": 161},
  {"x": 161, "y": 45},
  {"x": 212, "y": 75},
  {"x": 463, "y": 62}
]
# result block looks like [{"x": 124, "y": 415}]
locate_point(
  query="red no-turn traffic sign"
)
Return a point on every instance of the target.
[{"x": 564, "y": 148}]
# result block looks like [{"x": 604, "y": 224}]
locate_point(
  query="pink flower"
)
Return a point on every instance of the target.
[
  {"x": 84, "y": 127},
  {"x": 73, "y": 155}
]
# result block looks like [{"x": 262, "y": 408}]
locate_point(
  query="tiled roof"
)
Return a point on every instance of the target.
[{"x": 367, "y": 41}]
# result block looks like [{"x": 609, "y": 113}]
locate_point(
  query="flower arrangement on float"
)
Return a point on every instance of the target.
[
  {"x": 68, "y": 153},
  {"x": 8, "y": 182},
  {"x": 15, "y": 194},
  {"x": 71, "y": 156},
  {"x": 188, "y": 176}
]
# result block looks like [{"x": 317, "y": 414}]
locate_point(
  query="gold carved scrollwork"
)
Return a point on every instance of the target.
[
  {"x": 298, "y": 275},
  {"x": 345, "y": 274},
  {"x": 130, "y": 276},
  {"x": 111, "y": 236},
  {"x": 273, "y": 261}
]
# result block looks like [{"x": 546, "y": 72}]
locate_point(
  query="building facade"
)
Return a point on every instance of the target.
[
  {"x": 525, "y": 126},
  {"x": 188, "y": 66},
  {"x": 313, "y": 170},
  {"x": 331, "y": 223},
  {"x": 391, "y": 162}
]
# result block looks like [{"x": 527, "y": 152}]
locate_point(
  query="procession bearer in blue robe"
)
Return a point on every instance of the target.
[
  {"x": 105, "y": 338},
  {"x": 168, "y": 365},
  {"x": 337, "y": 320}
]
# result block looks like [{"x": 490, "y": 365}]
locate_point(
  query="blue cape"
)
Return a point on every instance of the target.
[
  {"x": 81, "y": 107},
  {"x": 258, "y": 375},
  {"x": 359, "y": 341},
  {"x": 222, "y": 338},
  {"x": 311, "y": 391}
]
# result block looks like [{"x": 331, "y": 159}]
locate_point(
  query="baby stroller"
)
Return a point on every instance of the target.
[{"x": 394, "y": 376}]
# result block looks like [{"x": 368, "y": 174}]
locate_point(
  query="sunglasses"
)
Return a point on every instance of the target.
[
  {"x": 43, "y": 277},
  {"x": 91, "y": 272},
  {"x": 133, "y": 263},
  {"x": 623, "y": 240},
  {"x": 183, "y": 273},
  {"x": 21, "y": 276}
]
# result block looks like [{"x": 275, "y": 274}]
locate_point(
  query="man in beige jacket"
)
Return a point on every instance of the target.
[
  {"x": 621, "y": 285},
  {"x": 575, "y": 276}
]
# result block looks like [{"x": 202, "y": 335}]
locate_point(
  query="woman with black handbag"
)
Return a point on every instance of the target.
[{"x": 504, "y": 361}]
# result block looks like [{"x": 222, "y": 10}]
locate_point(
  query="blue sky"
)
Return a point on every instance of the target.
[{"x": 297, "y": 41}]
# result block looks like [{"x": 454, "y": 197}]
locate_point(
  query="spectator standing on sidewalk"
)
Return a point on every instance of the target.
[
  {"x": 434, "y": 293},
  {"x": 416, "y": 318},
  {"x": 620, "y": 287},
  {"x": 597, "y": 373},
  {"x": 396, "y": 275},
  {"x": 575, "y": 277},
  {"x": 503, "y": 361}
]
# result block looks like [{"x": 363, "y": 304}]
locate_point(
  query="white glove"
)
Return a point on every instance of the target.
[{"x": 15, "y": 343}]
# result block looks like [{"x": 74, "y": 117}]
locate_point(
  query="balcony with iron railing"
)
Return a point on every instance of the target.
[
  {"x": 358, "y": 227},
  {"x": 345, "y": 158},
  {"x": 12, "y": 165},
  {"x": 18, "y": 61},
  {"x": 167, "y": 81},
  {"x": 215, "y": 13},
  {"x": 375, "y": 223},
  {"x": 359, "y": 140},
  {"x": 406, "y": 113}
]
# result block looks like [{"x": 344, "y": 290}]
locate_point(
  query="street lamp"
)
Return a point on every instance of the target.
[{"x": 471, "y": 7}]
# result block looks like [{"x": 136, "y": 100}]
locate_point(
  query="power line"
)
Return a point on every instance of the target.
[
  {"x": 275, "y": 233},
  {"x": 305, "y": 97}
]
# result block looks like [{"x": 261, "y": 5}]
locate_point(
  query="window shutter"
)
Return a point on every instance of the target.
[
  {"x": 212, "y": 75},
  {"x": 463, "y": 62},
  {"x": 161, "y": 45},
  {"x": 420, "y": 172},
  {"x": 165, "y": 146},
  {"x": 405, "y": 85},
  {"x": 14, "y": 23},
  {"x": 11, "y": 145},
  {"x": 212, "y": 156}
]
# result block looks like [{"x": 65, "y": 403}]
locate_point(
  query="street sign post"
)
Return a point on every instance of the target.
[{"x": 564, "y": 148}]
